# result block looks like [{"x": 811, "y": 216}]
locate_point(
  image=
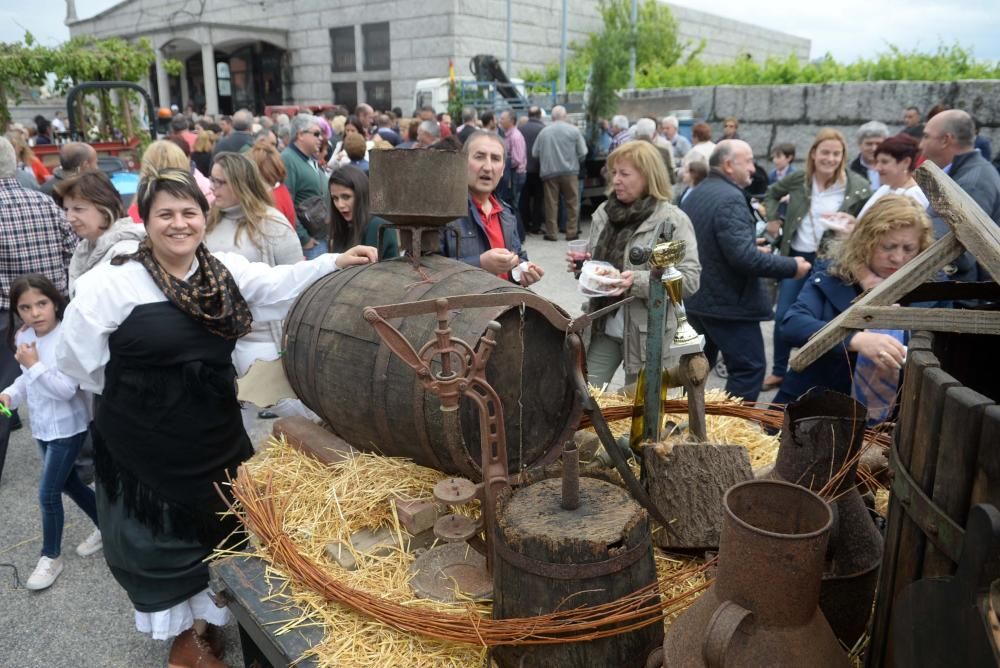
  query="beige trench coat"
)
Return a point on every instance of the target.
[{"x": 676, "y": 225}]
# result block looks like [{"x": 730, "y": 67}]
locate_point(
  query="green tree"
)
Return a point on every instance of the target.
[{"x": 21, "y": 64}]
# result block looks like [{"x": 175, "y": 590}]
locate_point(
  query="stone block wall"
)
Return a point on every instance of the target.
[{"x": 770, "y": 115}]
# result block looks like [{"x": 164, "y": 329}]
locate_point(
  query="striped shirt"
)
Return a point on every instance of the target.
[{"x": 34, "y": 238}]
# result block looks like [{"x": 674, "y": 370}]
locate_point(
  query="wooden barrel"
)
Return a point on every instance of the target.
[
  {"x": 548, "y": 558},
  {"x": 339, "y": 367},
  {"x": 946, "y": 450}
]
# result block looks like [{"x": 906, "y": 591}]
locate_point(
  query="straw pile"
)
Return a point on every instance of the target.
[
  {"x": 722, "y": 429},
  {"x": 320, "y": 503},
  {"x": 329, "y": 503}
]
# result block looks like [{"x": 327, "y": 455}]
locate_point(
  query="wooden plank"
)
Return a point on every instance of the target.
[
  {"x": 910, "y": 318},
  {"x": 917, "y": 364},
  {"x": 919, "y": 359},
  {"x": 958, "y": 451},
  {"x": 917, "y": 271},
  {"x": 308, "y": 437},
  {"x": 241, "y": 579},
  {"x": 973, "y": 227},
  {"x": 930, "y": 413},
  {"x": 986, "y": 488}
]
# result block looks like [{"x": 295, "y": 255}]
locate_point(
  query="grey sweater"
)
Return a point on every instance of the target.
[{"x": 559, "y": 148}]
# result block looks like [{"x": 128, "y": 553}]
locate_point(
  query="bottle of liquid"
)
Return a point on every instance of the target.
[{"x": 638, "y": 409}]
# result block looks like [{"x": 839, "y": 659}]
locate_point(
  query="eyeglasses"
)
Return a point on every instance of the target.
[
  {"x": 317, "y": 133},
  {"x": 217, "y": 183}
]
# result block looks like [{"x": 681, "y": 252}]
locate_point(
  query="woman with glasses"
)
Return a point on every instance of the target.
[
  {"x": 153, "y": 333},
  {"x": 243, "y": 220}
]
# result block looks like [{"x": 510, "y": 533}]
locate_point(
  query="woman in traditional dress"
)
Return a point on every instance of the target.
[{"x": 153, "y": 333}]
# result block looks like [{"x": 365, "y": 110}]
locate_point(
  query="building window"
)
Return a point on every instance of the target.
[
  {"x": 346, "y": 94},
  {"x": 378, "y": 94},
  {"x": 376, "y": 41},
  {"x": 342, "y": 49}
]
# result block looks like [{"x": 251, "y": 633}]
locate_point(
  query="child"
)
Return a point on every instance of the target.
[
  {"x": 782, "y": 156},
  {"x": 59, "y": 416}
]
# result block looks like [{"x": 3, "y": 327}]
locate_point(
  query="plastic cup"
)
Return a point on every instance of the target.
[{"x": 578, "y": 251}]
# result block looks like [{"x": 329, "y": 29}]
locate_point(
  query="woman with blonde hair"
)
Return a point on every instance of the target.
[
  {"x": 817, "y": 196},
  {"x": 638, "y": 212},
  {"x": 27, "y": 160},
  {"x": 272, "y": 170},
  {"x": 243, "y": 220},
  {"x": 201, "y": 153},
  {"x": 164, "y": 154},
  {"x": 892, "y": 232}
]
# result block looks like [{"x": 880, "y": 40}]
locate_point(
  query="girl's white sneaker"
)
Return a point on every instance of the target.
[
  {"x": 91, "y": 545},
  {"x": 45, "y": 573}
]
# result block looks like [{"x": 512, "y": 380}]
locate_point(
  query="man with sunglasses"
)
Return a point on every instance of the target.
[{"x": 306, "y": 181}]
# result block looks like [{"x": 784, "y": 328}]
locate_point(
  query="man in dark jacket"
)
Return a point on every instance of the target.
[
  {"x": 531, "y": 195},
  {"x": 74, "y": 158},
  {"x": 949, "y": 142},
  {"x": 732, "y": 300},
  {"x": 239, "y": 138},
  {"x": 487, "y": 237}
]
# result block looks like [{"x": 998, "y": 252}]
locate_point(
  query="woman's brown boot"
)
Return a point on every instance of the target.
[{"x": 190, "y": 650}]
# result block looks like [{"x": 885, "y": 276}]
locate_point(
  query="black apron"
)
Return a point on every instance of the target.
[{"x": 168, "y": 426}]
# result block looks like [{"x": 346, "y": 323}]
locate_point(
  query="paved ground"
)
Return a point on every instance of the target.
[{"x": 85, "y": 619}]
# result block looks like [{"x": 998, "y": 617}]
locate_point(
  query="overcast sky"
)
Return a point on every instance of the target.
[{"x": 846, "y": 28}]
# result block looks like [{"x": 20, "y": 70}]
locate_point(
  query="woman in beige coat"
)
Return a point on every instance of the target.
[{"x": 638, "y": 212}]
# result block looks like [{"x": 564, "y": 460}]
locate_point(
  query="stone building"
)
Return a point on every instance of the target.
[{"x": 268, "y": 52}]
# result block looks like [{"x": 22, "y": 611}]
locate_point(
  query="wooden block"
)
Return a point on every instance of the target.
[
  {"x": 686, "y": 482},
  {"x": 416, "y": 515},
  {"x": 375, "y": 543},
  {"x": 305, "y": 435}
]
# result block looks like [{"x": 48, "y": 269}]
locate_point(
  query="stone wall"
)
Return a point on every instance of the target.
[{"x": 773, "y": 114}]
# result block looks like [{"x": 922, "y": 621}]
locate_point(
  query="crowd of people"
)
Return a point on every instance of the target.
[{"x": 127, "y": 322}]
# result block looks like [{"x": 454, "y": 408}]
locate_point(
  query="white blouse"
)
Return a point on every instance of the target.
[
  {"x": 914, "y": 191},
  {"x": 106, "y": 295},
  {"x": 810, "y": 231},
  {"x": 58, "y": 408}
]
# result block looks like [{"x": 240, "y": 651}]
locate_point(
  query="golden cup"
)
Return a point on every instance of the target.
[{"x": 667, "y": 255}]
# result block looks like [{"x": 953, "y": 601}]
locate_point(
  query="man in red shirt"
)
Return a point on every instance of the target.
[{"x": 487, "y": 237}]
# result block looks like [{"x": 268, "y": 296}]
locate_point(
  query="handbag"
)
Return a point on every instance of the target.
[{"x": 314, "y": 214}]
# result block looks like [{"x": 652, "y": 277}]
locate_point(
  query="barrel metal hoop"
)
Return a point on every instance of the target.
[
  {"x": 595, "y": 569},
  {"x": 939, "y": 528}
]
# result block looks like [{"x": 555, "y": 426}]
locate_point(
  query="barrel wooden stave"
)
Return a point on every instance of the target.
[
  {"x": 339, "y": 367},
  {"x": 947, "y": 437}
]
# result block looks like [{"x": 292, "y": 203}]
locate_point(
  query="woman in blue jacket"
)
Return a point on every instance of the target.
[{"x": 891, "y": 233}]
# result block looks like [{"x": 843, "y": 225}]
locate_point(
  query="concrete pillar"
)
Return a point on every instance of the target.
[
  {"x": 185, "y": 92},
  {"x": 162, "y": 82},
  {"x": 211, "y": 85}
]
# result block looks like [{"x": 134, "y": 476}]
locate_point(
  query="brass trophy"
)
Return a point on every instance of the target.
[{"x": 665, "y": 256}]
